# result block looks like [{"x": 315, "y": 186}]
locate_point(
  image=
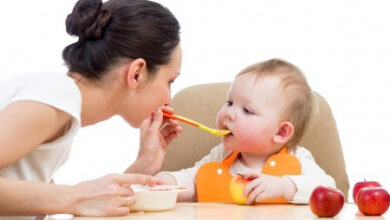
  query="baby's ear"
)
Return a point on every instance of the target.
[{"x": 285, "y": 132}]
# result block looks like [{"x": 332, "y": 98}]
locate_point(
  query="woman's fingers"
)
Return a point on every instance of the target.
[
  {"x": 170, "y": 121},
  {"x": 122, "y": 210},
  {"x": 170, "y": 137},
  {"x": 169, "y": 129},
  {"x": 146, "y": 123},
  {"x": 167, "y": 109},
  {"x": 127, "y": 201},
  {"x": 130, "y": 178},
  {"x": 125, "y": 191},
  {"x": 109, "y": 195},
  {"x": 157, "y": 120}
]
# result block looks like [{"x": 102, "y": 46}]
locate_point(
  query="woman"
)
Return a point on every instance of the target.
[{"x": 125, "y": 59}]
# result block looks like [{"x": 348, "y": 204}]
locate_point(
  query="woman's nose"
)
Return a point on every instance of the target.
[{"x": 168, "y": 101}]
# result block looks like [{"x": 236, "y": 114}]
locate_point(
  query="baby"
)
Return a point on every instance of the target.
[{"x": 268, "y": 107}]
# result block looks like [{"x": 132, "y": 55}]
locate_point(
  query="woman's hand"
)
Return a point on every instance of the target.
[
  {"x": 156, "y": 134},
  {"x": 268, "y": 187},
  {"x": 110, "y": 195}
]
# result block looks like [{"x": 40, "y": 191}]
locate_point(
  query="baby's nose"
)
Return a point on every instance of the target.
[{"x": 230, "y": 114}]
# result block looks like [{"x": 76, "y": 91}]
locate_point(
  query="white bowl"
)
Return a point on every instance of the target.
[{"x": 157, "y": 198}]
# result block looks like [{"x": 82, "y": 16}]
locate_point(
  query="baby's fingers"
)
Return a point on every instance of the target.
[
  {"x": 251, "y": 186},
  {"x": 257, "y": 192},
  {"x": 262, "y": 197},
  {"x": 252, "y": 175}
]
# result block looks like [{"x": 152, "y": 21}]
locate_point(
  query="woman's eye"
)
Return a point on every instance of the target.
[
  {"x": 229, "y": 103},
  {"x": 247, "y": 111}
]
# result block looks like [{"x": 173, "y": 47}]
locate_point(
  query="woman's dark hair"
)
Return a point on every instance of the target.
[{"x": 119, "y": 29}]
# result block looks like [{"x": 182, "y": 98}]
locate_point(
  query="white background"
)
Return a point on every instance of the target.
[{"x": 343, "y": 47}]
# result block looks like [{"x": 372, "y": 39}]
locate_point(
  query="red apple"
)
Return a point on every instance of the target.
[
  {"x": 373, "y": 200},
  {"x": 360, "y": 185},
  {"x": 326, "y": 201},
  {"x": 237, "y": 186}
]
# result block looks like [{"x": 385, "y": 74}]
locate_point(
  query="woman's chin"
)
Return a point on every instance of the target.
[{"x": 134, "y": 124}]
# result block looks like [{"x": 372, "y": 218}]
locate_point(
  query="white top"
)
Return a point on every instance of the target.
[
  {"x": 311, "y": 177},
  {"x": 56, "y": 90}
]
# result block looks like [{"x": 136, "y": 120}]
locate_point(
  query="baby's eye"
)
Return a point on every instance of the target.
[
  {"x": 246, "y": 111},
  {"x": 229, "y": 103}
]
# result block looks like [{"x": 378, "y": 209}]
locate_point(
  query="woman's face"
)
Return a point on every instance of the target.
[{"x": 154, "y": 92}]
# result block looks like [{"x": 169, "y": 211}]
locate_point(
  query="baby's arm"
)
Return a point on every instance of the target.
[
  {"x": 166, "y": 178},
  {"x": 294, "y": 188},
  {"x": 186, "y": 177},
  {"x": 265, "y": 186},
  {"x": 181, "y": 178}
]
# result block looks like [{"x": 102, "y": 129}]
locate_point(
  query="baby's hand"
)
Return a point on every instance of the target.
[{"x": 264, "y": 186}]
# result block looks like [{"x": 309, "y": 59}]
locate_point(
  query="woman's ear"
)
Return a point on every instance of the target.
[
  {"x": 285, "y": 132},
  {"x": 135, "y": 71}
]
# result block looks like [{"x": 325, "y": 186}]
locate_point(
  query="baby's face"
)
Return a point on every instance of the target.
[{"x": 253, "y": 113}]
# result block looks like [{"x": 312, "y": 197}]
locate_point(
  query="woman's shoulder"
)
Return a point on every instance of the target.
[
  {"x": 53, "y": 82},
  {"x": 38, "y": 82},
  {"x": 55, "y": 90}
]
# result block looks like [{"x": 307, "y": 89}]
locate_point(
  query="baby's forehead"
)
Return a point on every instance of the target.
[
  {"x": 258, "y": 84},
  {"x": 265, "y": 90}
]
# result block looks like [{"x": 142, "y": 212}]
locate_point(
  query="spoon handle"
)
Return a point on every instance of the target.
[{"x": 181, "y": 118}]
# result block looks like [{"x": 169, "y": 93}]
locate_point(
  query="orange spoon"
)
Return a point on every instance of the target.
[{"x": 212, "y": 131}]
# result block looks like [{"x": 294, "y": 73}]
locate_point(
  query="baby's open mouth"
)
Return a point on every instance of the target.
[{"x": 231, "y": 132}]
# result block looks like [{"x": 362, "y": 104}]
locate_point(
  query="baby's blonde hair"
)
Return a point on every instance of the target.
[{"x": 296, "y": 90}]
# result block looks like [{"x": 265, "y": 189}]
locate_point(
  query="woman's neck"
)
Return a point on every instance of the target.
[{"x": 96, "y": 104}]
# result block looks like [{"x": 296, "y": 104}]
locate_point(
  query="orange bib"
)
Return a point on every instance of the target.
[{"x": 213, "y": 179}]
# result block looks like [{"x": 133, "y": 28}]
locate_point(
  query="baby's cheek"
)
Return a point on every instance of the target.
[
  {"x": 246, "y": 135},
  {"x": 219, "y": 120},
  {"x": 243, "y": 131}
]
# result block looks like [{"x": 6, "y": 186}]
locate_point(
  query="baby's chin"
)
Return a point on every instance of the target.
[{"x": 228, "y": 146}]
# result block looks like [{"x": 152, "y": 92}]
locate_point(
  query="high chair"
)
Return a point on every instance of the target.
[{"x": 202, "y": 103}]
